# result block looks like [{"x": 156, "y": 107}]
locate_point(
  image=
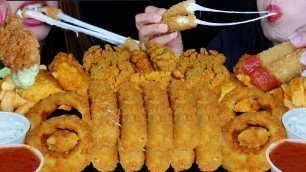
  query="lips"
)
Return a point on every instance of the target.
[
  {"x": 274, "y": 9},
  {"x": 30, "y": 21}
]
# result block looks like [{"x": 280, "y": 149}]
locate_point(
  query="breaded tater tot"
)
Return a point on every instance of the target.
[
  {"x": 186, "y": 124},
  {"x": 133, "y": 137},
  {"x": 160, "y": 127},
  {"x": 208, "y": 153}
]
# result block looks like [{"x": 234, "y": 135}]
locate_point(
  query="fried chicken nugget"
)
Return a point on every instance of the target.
[
  {"x": 19, "y": 51},
  {"x": 160, "y": 127},
  {"x": 70, "y": 74},
  {"x": 141, "y": 61},
  {"x": 45, "y": 84},
  {"x": 208, "y": 153},
  {"x": 163, "y": 58},
  {"x": 186, "y": 125},
  {"x": 133, "y": 137}
]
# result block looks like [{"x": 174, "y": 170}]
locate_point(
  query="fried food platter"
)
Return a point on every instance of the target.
[{"x": 127, "y": 109}]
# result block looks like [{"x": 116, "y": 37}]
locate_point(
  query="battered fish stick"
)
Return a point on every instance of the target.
[
  {"x": 186, "y": 125},
  {"x": 133, "y": 137},
  {"x": 160, "y": 127},
  {"x": 208, "y": 152},
  {"x": 104, "y": 112}
]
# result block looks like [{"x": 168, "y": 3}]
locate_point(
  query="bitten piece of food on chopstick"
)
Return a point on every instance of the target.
[
  {"x": 19, "y": 51},
  {"x": 272, "y": 67}
]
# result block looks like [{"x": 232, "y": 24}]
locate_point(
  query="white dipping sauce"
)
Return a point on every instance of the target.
[
  {"x": 297, "y": 124},
  {"x": 10, "y": 129}
]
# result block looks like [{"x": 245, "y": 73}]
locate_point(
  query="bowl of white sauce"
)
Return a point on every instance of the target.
[
  {"x": 13, "y": 128},
  {"x": 295, "y": 123}
]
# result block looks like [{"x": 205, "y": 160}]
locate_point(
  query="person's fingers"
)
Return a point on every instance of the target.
[
  {"x": 165, "y": 39},
  {"x": 147, "y": 18},
  {"x": 5, "y": 9},
  {"x": 152, "y": 9},
  {"x": 298, "y": 38},
  {"x": 303, "y": 58},
  {"x": 146, "y": 32}
]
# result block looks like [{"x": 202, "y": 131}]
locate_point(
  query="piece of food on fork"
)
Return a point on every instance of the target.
[
  {"x": 181, "y": 16},
  {"x": 19, "y": 51}
]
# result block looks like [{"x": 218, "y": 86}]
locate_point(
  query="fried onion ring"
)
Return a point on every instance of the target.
[
  {"x": 62, "y": 140},
  {"x": 232, "y": 100},
  {"x": 77, "y": 158},
  {"x": 237, "y": 157},
  {"x": 42, "y": 109}
]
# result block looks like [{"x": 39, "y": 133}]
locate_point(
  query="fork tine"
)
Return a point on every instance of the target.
[{"x": 234, "y": 23}]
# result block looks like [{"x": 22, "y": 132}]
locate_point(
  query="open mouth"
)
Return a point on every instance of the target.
[
  {"x": 32, "y": 5},
  {"x": 274, "y": 9}
]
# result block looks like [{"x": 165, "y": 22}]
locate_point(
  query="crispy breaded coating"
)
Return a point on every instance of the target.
[
  {"x": 91, "y": 57},
  {"x": 161, "y": 77},
  {"x": 180, "y": 9},
  {"x": 113, "y": 65},
  {"x": 130, "y": 44},
  {"x": 70, "y": 74},
  {"x": 45, "y": 84},
  {"x": 62, "y": 141},
  {"x": 104, "y": 112},
  {"x": 141, "y": 61},
  {"x": 104, "y": 158},
  {"x": 160, "y": 127},
  {"x": 186, "y": 130},
  {"x": 180, "y": 23},
  {"x": 133, "y": 135},
  {"x": 19, "y": 49},
  {"x": 208, "y": 153},
  {"x": 163, "y": 58}
]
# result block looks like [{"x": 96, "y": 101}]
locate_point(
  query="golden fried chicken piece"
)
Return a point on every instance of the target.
[
  {"x": 45, "y": 84},
  {"x": 70, "y": 74},
  {"x": 18, "y": 46},
  {"x": 112, "y": 65},
  {"x": 91, "y": 57},
  {"x": 141, "y": 61},
  {"x": 163, "y": 58},
  {"x": 161, "y": 77},
  {"x": 19, "y": 51}
]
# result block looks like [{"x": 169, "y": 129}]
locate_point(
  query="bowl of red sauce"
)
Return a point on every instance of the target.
[
  {"x": 20, "y": 157},
  {"x": 287, "y": 155}
]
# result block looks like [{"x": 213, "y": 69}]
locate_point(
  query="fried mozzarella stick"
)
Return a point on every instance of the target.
[
  {"x": 208, "y": 152},
  {"x": 19, "y": 51},
  {"x": 186, "y": 125},
  {"x": 160, "y": 127},
  {"x": 272, "y": 67},
  {"x": 133, "y": 137},
  {"x": 105, "y": 125}
]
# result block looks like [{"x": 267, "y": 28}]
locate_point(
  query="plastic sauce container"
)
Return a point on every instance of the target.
[
  {"x": 295, "y": 123},
  {"x": 13, "y": 128}
]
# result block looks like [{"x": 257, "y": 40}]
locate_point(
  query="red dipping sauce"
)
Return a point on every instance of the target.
[
  {"x": 289, "y": 157},
  {"x": 15, "y": 159}
]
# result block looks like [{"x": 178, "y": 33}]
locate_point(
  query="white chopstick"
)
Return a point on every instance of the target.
[
  {"x": 39, "y": 16},
  {"x": 234, "y": 23}
]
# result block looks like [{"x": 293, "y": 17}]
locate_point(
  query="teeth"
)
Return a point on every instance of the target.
[{"x": 34, "y": 7}]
